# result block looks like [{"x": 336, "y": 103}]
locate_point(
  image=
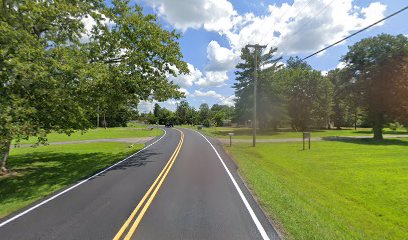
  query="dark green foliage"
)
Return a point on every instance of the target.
[
  {"x": 50, "y": 80},
  {"x": 378, "y": 67},
  {"x": 308, "y": 95}
]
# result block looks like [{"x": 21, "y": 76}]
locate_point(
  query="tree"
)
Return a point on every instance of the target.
[
  {"x": 220, "y": 113},
  {"x": 379, "y": 69},
  {"x": 308, "y": 95},
  {"x": 50, "y": 80},
  {"x": 156, "y": 110},
  {"x": 205, "y": 115},
  {"x": 165, "y": 116},
  {"x": 268, "y": 101},
  {"x": 346, "y": 99},
  {"x": 183, "y": 113}
]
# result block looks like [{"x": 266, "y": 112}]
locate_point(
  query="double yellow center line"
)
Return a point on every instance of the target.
[{"x": 153, "y": 190}]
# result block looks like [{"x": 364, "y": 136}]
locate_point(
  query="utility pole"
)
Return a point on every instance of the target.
[{"x": 257, "y": 49}]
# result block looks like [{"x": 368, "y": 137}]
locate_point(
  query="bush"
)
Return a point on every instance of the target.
[{"x": 206, "y": 123}]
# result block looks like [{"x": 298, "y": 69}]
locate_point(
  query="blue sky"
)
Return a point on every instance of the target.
[{"x": 214, "y": 31}]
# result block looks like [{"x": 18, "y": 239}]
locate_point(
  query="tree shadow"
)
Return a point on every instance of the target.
[
  {"x": 368, "y": 141},
  {"x": 42, "y": 173},
  {"x": 392, "y": 132}
]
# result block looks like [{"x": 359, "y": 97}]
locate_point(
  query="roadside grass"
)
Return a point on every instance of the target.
[
  {"x": 246, "y": 133},
  {"x": 354, "y": 189},
  {"x": 136, "y": 125},
  {"x": 99, "y": 133},
  {"x": 38, "y": 172}
]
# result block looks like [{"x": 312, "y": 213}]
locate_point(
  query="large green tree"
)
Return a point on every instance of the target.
[
  {"x": 220, "y": 113},
  {"x": 183, "y": 113},
  {"x": 379, "y": 69},
  {"x": 308, "y": 95},
  {"x": 50, "y": 80}
]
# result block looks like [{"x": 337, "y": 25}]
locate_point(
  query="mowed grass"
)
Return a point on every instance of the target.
[
  {"x": 246, "y": 133},
  {"x": 100, "y": 133},
  {"x": 356, "y": 189},
  {"x": 38, "y": 172}
]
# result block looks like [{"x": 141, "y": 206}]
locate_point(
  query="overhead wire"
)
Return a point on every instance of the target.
[
  {"x": 310, "y": 20},
  {"x": 222, "y": 100},
  {"x": 359, "y": 31}
]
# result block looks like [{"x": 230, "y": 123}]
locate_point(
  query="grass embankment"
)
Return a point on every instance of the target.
[
  {"x": 38, "y": 172},
  {"x": 100, "y": 133},
  {"x": 246, "y": 133},
  {"x": 356, "y": 189}
]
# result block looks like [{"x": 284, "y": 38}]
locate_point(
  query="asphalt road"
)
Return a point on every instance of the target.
[{"x": 180, "y": 187}]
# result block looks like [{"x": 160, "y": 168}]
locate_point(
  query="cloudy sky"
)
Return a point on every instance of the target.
[{"x": 214, "y": 31}]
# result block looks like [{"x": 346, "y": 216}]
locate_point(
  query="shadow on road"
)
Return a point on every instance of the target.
[{"x": 36, "y": 175}]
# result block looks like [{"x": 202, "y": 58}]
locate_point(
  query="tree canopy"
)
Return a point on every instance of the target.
[
  {"x": 55, "y": 76},
  {"x": 378, "y": 66}
]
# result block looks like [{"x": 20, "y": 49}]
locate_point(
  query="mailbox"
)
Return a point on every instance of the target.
[{"x": 230, "y": 135}]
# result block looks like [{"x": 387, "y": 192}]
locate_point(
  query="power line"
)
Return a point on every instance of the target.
[
  {"x": 222, "y": 100},
  {"x": 284, "y": 13},
  {"x": 280, "y": 19},
  {"x": 359, "y": 31},
  {"x": 318, "y": 14}
]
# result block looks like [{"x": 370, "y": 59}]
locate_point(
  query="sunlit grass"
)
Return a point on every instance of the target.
[
  {"x": 100, "y": 133},
  {"x": 246, "y": 133},
  {"x": 351, "y": 189}
]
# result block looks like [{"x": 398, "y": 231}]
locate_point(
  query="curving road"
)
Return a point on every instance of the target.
[{"x": 181, "y": 186}]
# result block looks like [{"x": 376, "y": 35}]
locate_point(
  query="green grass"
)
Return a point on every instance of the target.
[
  {"x": 246, "y": 133},
  {"x": 136, "y": 125},
  {"x": 352, "y": 189},
  {"x": 38, "y": 172},
  {"x": 100, "y": 133}
]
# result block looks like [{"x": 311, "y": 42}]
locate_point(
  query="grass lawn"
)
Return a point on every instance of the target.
[
  {"x": 356, "y": 189},
  {"x": 40, "y": 171},
  {"x": 246, "y": 133},
  {"x": 100, "y": 133}
]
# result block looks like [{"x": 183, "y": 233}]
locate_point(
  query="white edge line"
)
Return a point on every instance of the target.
[
  {"x": 78, "y": 184},
  {"x": 247, "y": 205}
]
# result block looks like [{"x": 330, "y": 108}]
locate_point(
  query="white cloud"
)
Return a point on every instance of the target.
[
  {"x": 211, "y": 93},
  {"x": 304, "y": 26},
  {"x": 89, "y": 22},
  {"x": 341, "y": 65},
  {"x": 213, "y": 79},
  {"x": 229, "y": 101},
  {"x": 209, "y": 79},
  {"x": 212, "y": 15},
  {"x": 183, "y": 90},
  {"x": 317, "y": 26},
  {"x": 324, "y": 73},
  {"x": 146, "y": 106},
  {"x": 220, "y": 58},
  {"x": 187, "y": 80}
]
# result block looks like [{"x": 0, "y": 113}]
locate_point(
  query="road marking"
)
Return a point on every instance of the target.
[
  {"x": 246, "y": 203},
  {"x": 78, "y": 184},
  {"x": 162, "y": 176}
]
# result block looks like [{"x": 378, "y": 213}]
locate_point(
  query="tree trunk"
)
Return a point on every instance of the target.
[
  {"x": 378, "y": 127},
  {"x": 4, "y": 158},
  {"x": 104, "y": 120}
]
